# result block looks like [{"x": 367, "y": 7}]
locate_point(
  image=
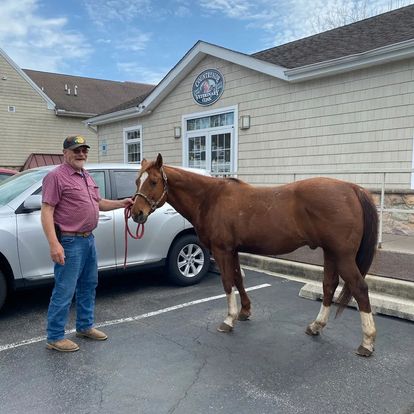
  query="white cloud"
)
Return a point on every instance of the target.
[
  {"x": 140, "y": 74},
  {"x": 103, "y": 11},
  {"x": 133, "y": 41},
  {"x": 35, "y": 42},
  {"x": 242, "y": 9}
]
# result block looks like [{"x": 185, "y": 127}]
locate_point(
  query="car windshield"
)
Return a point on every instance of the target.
[
  {"x": 18, "y": 183},
  {"x": 4, "y": 177}
]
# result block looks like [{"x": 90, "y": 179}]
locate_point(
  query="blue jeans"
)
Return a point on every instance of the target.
[{"x": 79, "y": 274}]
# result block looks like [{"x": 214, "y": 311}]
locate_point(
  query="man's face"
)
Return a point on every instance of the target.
[{"x": 76, "y": 157}]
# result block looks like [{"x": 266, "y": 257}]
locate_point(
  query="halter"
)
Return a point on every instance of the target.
[{"x": 154, "y": 204}]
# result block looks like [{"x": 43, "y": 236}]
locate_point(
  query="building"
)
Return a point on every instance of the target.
[
  {"x": 339, "y": 103},
  {"x": 39, "y": 109}
]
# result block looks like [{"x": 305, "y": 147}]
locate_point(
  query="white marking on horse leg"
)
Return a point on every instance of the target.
[
  {"x": 242, "y": 273},
  {"x": 321, "y": 320},
  {"x": 232, "y": 308},
  {"x": 369, "y": 331}
]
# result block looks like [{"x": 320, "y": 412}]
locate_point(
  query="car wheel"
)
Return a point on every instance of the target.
[
  {"x": 188, "y": 261},
  {"x": 3, "y": 289}
]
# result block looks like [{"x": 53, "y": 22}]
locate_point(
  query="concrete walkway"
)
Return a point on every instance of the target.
[
  {"x": 390, "y": 280},
  {"x": 395, "y": 258}
]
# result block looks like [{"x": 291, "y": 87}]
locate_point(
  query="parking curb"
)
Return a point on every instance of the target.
[{"x": 388, "y": 296}]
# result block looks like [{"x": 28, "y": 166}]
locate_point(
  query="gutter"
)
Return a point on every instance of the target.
[
  {"x": 63, "y": 112},
  {"x": 116, "y": 116}
]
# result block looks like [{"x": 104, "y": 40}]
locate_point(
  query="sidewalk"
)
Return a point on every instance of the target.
[
  {"x": 395, "y": 258},
  {"x": 390, "y": 279}
]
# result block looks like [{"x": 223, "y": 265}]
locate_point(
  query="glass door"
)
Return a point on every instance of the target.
[
  {"x": 211, "y": 149},
  {"x": 221, "y": 152},
  {"x": 197, "y": 151}
]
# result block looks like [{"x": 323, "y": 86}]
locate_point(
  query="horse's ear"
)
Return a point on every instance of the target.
[
  {"x": 158, "y": 162},
  {"x": 144, "y": 163}
]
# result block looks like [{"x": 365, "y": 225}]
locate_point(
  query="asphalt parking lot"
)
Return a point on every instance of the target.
[{"x": 164, "y": 355}]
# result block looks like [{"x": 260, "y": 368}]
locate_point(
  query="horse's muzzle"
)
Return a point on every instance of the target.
[{"x": 140, "y": 218}]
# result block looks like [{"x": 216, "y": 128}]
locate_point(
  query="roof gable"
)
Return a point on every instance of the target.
[
  {"x": 50, "y": 104},
  {"x": 377, "y": 40}
]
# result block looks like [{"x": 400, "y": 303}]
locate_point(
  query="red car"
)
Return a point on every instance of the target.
[{"x": 6, "y": 173}]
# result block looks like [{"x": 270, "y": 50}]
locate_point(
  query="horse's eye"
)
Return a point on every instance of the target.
[{"x": 153, "y": 183}]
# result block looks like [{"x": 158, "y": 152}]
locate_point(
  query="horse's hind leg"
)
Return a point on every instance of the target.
[
  {"x": 330, "y": 283},
  {"x": 230, "y": 275},
  {"x": 359, "y": 290}
]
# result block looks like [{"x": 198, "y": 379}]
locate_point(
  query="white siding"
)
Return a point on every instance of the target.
[
  {"x": 32, "y": 128},
  {"x": 346, "y": 125}
]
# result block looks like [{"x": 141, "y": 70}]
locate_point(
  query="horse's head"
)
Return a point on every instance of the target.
[{"x": 151, "y": 190}]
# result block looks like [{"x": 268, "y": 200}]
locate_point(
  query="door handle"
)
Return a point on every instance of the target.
[{"x": 103, "y": 217}]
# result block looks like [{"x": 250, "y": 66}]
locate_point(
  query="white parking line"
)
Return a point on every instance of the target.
[{"x": 130, "y": 319}]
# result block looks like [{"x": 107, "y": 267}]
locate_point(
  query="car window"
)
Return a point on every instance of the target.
[
  {"x": 99, "y": 177},
  {"x": 4, "y": 176},
  {"x": 125, "y": 183},
  {"x": 19, "y": 183}
]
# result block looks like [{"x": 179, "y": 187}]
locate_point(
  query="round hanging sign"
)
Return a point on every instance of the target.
[{"x": 208, "y": 87}]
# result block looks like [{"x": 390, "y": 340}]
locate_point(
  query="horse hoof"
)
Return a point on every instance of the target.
[
  {"x": 225, "y": 328},
  {"x": 361, "y": 351},
  {"x": 310, "y": 332},
  {"x": 243, "y": 317}
]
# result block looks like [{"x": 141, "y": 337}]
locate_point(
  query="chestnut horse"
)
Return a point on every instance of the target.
[{"x": 231, "y": 216}]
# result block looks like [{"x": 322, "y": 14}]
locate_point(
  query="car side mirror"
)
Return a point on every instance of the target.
[{"x": 33, "y": 203}]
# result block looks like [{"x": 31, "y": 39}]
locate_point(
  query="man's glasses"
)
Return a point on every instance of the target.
[{"x": 84, "y": 150}]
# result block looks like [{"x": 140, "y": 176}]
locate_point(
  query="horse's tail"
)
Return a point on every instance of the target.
[{"x": 367, "y": 248}]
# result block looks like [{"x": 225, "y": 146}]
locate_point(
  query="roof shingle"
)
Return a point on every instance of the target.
[
  {"x": 385, "y": 29},
  {"x": 86, "y": 95}
]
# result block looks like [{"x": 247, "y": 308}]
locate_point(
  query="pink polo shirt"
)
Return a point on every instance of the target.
[{"x": 75, "y": 198}]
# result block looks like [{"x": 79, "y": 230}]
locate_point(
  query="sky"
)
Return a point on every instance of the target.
[{"x": 142, "y": 40}]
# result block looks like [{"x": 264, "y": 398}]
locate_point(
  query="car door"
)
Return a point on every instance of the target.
[
  {"x": 160, "y": 228},
  {"x": 34, "y": 252},
  {"x": 104, "y": 233}
]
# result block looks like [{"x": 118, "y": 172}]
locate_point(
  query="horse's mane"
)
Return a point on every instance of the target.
[{"x": 236, "y": 180}]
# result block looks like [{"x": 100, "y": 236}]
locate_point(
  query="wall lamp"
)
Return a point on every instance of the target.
[
  {"x": 177, "y": 132},
  {"x": 245, "y": 122}
]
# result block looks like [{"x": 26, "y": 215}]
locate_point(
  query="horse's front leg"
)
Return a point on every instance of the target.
[
  {"x": 227, "y": 264},
  {"x": 245, "y": 310},
  {"x": 228, "y": 324}
]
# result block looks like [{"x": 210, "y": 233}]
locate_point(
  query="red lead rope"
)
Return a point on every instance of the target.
[{"x": 136, "y": 236}]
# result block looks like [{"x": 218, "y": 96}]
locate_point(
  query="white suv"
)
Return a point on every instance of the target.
[{"x": 169, "y": 239}]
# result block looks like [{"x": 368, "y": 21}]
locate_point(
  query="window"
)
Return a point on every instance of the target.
[
  {"x": 99, "y": 177},
  {"x": 210, "y": 141},
  {"x": 125, "y": 183},
  {"x": 197, "y": 152},
  {"x": 211, "y": 121},
  {"x": 133, "y": 145}
]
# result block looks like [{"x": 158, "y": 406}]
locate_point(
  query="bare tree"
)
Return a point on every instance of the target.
[{"x": 351, "y": 12}]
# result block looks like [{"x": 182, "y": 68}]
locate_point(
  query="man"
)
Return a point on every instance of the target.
[{"x": 70, "y": 211}]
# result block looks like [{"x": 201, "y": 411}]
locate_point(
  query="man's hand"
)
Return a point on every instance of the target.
[
  {"x": 57, "y": 253},
  {"x": 126, "y": 202},
  {"x": 106, "y": 205}
]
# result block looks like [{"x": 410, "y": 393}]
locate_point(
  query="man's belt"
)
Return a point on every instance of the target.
[{"x": 76, "y": 234}]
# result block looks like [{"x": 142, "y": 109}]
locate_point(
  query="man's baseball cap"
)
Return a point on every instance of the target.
[{"x": 74, "y": 141}]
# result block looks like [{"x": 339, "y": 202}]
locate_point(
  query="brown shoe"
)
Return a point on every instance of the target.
[
  {"x": 63, "y": 345},
  {"x": 92, "y": 333}
]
